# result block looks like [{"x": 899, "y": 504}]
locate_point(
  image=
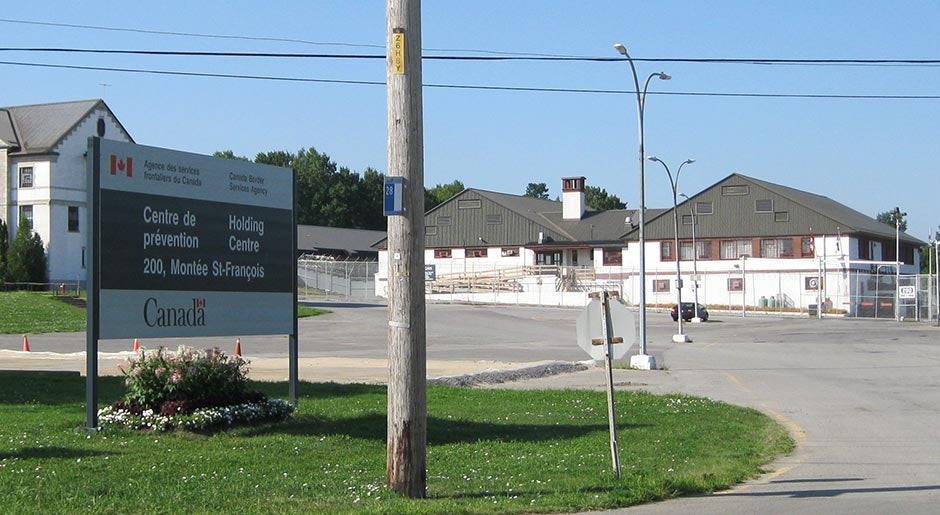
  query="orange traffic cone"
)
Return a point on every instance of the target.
[
  {"x": 25, "y": 344},
  {"x": 238, "y": 346},
  {"x": 136, "y": 345}
]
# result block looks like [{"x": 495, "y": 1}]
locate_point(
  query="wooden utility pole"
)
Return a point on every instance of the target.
[{"x": 407, "y": 368}]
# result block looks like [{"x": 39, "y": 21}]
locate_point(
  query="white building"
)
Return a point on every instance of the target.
[
  {"x": 756, "y": 244},
  {"x": 42, "y": 162}
]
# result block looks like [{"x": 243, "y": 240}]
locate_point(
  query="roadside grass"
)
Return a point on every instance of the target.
[
  {"x": 489, "y": 451},
  {"x": 31, "y": 313}
]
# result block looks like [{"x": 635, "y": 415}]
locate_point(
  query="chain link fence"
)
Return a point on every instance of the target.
[{"x": 323, "y": 279}]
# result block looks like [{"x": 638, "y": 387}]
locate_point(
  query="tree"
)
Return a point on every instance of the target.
[
  {"x": 537, "y": 190},
  {"x": 26, "y": 260},
  {"x": 441, "y": 193},
  {"x": 228, "y": 154},
  {"x": 370, "y": 201},
  {"x": 890, "y": 217},
  {"x": 276, "y": 158},
  {"x": 599, "y": 199},
  {"x": 4, "y": 248}
]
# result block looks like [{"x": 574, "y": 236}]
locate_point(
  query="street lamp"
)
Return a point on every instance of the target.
[
  {"x": 674, "y": 183},
  {"x": 695, "y": 319},
  {"x": 897, "y": 260},
  {"x": 642, "y": 360}
]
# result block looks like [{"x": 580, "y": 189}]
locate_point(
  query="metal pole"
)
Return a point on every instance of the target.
[
  {"x": 647, "y": 361},
  {"x": 606, "y": 329},
  {"x": 674, "y": 184},
  {"x": 897, "y": 260},
  {"x": 743, "y": 286},
  {"x": 695, "y": 317}
]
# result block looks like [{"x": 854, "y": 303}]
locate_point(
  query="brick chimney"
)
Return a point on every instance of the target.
[{"x": 572, "y": 198}]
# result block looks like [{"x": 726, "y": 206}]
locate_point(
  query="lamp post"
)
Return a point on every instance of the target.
[
  {"x": 897, "y": 260},
  {"x": 674, "y": 184},
  {"x": 642, "y": 360},
  {"x": 695, "y": 319}
]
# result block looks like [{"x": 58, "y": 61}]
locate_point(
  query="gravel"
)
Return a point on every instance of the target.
[{"x": 505, "y": 376}]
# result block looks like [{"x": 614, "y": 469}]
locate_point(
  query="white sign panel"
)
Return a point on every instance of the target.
[
  {"x": 590, "y": 327},
  {"x": 191, "y": 245},
  {"x": 907, "y": 292}
]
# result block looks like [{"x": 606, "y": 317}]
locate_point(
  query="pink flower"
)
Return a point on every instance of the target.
[{"x": 159, "y": 372}]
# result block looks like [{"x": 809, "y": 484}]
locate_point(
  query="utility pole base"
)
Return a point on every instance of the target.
[
  {"x": 643, "y": 362},
  {"x": 681, "y": 338}
]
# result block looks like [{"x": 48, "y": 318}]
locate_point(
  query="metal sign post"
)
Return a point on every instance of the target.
[{"x": 608, "y": 341}]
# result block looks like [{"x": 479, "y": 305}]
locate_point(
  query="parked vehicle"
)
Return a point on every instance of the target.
[{"x": 687, "y": 309}]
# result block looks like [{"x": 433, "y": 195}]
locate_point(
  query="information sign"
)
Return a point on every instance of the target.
[{"x": 394, "y": 188}]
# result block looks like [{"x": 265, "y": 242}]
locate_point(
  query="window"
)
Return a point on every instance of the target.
[
  {"x": 734, "y": 249},
  {"x": 470, "y": 203},
  {"x": 764, "y": 206},
  {"x": 509, "y": 252},
  {"x": 807, "y": 248},
  {"x": 736, "y": 284},
  {"x": 768, "y": 248},
  {"x": 73, "y": 218},
  {"x": 430, "y": 230},
  {"x": 685, "y": 250},
  {"x": 476, "y": 252},
  {"x": 26, "y": 177},
  {"x": 661, "y": 285},
  {"x": 735, "y": 189},
  {"x": 442, "y": 253},
  {"x": 686, "y": 219},
  {"x": 704, "y": 208},
  {"x": 548, "y": 258},
  {"x": 703, "y": 249},
  {"x": 613, "y": 257},
  {"x": 494, "y": 219},
  {"x": 781, "y": 216},
  {"x": 665, "y": 251},
  {"x": 443, "y": 220},
  {"x": 27, "y": 213}
]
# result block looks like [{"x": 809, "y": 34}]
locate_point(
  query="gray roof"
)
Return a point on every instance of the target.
[
  {"x": 325, "y": 239},
  {"x": 38, "y": 129},
  {"x": 808, "y": 213}
]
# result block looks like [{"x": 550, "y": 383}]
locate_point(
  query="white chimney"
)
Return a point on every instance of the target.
[{"x": 572, "y": 198}]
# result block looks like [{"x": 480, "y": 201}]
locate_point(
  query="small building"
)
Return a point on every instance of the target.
[
  {"x": 754, "y": 241},
  {"x": 336, "y": 243},
  {"x": 42, "y": 162}
]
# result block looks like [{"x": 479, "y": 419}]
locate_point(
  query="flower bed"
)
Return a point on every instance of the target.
[{"x": 189, "y": 390}]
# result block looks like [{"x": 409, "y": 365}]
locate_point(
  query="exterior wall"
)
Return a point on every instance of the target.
[{"x": 59, "y": 181}]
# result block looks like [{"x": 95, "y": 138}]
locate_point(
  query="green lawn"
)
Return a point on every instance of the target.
[
  {"x": 489, "y": 451},
  {"x": 32, "y": 313}
]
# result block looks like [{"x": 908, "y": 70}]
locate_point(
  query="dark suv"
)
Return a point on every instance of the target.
[{"x": 688, "y": 308}]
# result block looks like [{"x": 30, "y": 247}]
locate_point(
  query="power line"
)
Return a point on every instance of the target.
[
  {"x": 476, "y": 87},
  {"x": 693, "y": 60}
]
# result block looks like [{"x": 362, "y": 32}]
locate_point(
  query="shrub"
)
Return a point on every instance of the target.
[{"x": 189, "y": 389}]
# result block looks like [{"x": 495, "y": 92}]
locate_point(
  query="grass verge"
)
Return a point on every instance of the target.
[
  {"x": 489, "y": 451},
  {"x": 31, "y": 313}
]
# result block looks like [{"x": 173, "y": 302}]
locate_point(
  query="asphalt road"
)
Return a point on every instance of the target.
[{"x": 861, "y": 397}]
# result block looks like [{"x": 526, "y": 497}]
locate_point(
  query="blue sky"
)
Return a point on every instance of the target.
[{"x": 871, "y": 154}]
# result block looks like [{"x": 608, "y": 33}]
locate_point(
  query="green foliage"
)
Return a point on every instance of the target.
[
  {"x": 197, "y": 378},
  {"x": 439, "y": 194},
  {"x": 599, "y": 199},
  {"x": 228, "y": 154},
  {"x": 891, "y": 217},
  {"x": 4, "y": 249},
  {"x": 537, "y": 190},
  {"x": 26, "y": 257}
]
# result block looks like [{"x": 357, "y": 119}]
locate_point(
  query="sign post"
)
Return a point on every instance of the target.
[
  {"x": 600, "y": 328},
  {"x": 185, "y": 245}
]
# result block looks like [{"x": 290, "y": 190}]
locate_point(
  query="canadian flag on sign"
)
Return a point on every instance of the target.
[{"x": 125, "y": 166}]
